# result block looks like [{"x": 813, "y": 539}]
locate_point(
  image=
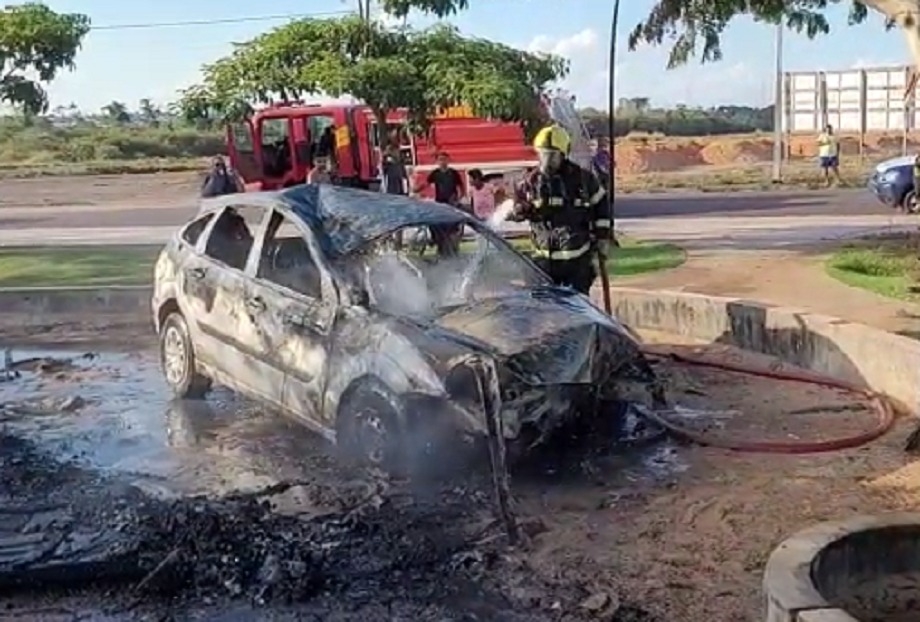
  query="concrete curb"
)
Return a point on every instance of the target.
[
  {"x": 873, "y": 358},
  {"x": 870, "y": 357},
  {"x": 789, "y": 582},
  {"x": 36, "y": 303}
]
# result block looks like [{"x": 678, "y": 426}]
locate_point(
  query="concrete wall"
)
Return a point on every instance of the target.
[{"x": 873, "y": 358}]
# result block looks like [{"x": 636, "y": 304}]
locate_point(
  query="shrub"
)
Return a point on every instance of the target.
[{"x": 85, "y": 142}]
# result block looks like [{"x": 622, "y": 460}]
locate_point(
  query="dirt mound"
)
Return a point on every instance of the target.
[
  {"x": 648, "y": 157},
  {"x": 722, "y": 152}
]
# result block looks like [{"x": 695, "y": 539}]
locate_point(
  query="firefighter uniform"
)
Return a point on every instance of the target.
[{"x": 569, "y": 213}]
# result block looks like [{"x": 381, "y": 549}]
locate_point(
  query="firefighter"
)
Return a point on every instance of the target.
[{"x": 569, "y": 213}]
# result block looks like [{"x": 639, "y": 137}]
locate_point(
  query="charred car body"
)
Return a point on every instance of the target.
[{"x": 302, "y": 299}]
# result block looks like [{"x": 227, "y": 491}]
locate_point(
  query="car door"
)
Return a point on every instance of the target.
[
  {"x": 226, "y": 320},
  {"x": 295, "y": 287}
]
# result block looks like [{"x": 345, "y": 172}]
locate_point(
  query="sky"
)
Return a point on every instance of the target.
[{"x": 128, "y": 64}]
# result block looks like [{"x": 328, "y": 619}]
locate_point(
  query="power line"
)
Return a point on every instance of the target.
[{"x": 210, "y": 22}]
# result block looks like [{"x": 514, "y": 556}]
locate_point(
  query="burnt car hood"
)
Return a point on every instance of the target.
[{"x": 545, "y": 336}]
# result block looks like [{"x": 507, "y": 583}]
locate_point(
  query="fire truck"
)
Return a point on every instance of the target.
[{"x": 277, "y": 146}]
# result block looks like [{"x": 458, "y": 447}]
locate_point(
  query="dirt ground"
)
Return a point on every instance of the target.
[
  {"x": 658, "y": 533},
  {"x": 154, "y": 189},
  {"x": 635, "y": 156},
  {"x": 638, "y": 154}
]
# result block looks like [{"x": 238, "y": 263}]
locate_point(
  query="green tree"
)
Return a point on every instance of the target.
[
  {"x": 383, "y": 67},
  {"x": 696, "y": 27},
  {"x": 116, "y": 112},
  {"x": 35, "y": 41},
  {"x": 149, "y": 112}
]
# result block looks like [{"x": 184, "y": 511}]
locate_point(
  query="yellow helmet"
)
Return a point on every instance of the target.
[{"x": 553, "y": 137}]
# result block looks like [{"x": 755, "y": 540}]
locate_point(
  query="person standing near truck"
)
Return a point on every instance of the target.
[
  {"x": 482, "y": 195},
  {"x": 395, "y": 174},
  {"x": 448, "y": 189},
  {"x": 221, "y": 180}
]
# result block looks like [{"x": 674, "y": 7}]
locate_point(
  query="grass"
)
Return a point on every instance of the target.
[
  {"x": 888, "y": 266},
  {"x": 77, "y": 266},
  {"x": 133, "y": 265},
  {"x": 631, "y": 258}
]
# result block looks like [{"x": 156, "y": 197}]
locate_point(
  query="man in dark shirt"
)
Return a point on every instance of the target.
[
  {"x": 395, "y": 176},
  {"x": 448, "y": 189}
]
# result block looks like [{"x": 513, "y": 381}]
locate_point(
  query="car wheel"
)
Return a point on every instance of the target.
[
  {"x": 177, "y": 358},
  {"x": 909, "y": 203},
  {"x": 369, "y": 430}
]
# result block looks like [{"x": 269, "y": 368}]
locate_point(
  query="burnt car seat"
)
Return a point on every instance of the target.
[{"x": 287, "y": 262}]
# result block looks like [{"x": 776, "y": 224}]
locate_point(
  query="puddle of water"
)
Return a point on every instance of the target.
[{"x": 128, "y": 423}]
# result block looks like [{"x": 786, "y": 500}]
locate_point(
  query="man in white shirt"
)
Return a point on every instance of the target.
[{"x": 829, "y": 154}]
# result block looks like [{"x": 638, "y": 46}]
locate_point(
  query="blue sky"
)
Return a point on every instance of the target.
[{"x": 127, "y": 65}]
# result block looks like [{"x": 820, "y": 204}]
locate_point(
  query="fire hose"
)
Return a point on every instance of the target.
[{"x": 882, "y": 407}]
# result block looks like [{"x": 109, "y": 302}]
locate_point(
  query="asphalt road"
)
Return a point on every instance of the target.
[
  {"x": 739, "y": 221},
  {"x": 709, "y": 205}
]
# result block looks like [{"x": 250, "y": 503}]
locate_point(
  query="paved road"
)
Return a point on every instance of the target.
[
  {"x": 724, "y": 220},
  {"x": 712, "y": 205}
]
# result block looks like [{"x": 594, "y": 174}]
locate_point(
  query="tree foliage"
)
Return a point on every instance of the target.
[
  {"x": 385, "y": 68},
  {"x": 695, "y": 27},
  {"x": 34, "y": 40},
  {"x": 440, "y": 8},
  {"x": 680, "y": 121}
]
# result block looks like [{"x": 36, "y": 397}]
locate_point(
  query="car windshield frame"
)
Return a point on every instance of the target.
[{"x": 534, "y": 277}]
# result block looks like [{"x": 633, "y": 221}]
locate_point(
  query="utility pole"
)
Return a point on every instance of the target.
[
  {"x": 778, "y": 109},
  {"x": 611, "y": 107}
]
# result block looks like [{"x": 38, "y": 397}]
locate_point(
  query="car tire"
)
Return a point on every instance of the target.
[
  {"x": 909, "y": 204},
  {"x": 177, "y": 359},
  {"x": 369, "y": 430}
]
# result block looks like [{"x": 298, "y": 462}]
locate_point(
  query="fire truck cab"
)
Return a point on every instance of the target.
[{"x": 278, "y": 145}]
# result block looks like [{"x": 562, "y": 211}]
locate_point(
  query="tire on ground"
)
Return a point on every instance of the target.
[{"x": 186, "y": 382}]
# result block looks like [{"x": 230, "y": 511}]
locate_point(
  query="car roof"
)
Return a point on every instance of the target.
[{"x": 345, "y": 219}]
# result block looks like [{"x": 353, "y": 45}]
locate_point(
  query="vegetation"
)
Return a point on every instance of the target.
[
  {"x": 386, "y": 68},
  {"x": 887, "y": 265},
  {"x": 35, "y": 44},
  {"x": 693, "y": 27},
  {"x": 133, "y": 265},
  {"x": 636, "y": 115},
  {"x": 76, "y": 266}
]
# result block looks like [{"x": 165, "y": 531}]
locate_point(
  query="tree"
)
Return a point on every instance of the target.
[
  {"x": 689, "y": 24},
  {"x": 117, "y": 112},
  {"x": 149, "y": 112},
  {"x": 383, "y": 67},
  {"x": 35, "y": 41}
]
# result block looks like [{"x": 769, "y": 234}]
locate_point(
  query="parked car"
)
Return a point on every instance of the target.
[
  {"x": 892, "y": 183},
  {"x": 304, "y": 299}
]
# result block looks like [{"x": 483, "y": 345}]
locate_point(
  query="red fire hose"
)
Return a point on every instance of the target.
[{"x": 884, "y": 411}]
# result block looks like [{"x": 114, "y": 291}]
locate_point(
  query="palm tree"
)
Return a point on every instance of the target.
[
  {"x": 149, "y": 112},
  {"x": 117, "y": 112}
]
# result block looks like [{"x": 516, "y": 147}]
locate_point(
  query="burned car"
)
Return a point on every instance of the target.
[{"x": 304, "y": 299}]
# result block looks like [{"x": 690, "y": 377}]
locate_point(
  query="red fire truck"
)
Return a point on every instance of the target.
[{"x": 277, "y": 146}]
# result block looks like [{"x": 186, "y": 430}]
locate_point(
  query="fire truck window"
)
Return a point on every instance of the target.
[
  {"x": 322, "y": 136},
  {"x": 242, "y": 138},
  {"x": 276, "y": 151}
]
